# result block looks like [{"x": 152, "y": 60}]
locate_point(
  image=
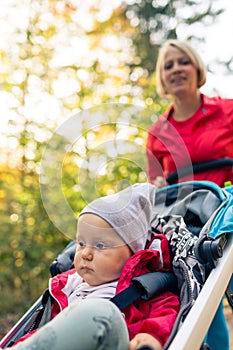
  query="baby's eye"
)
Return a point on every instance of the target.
[
  {"x": 100, "y": 246},
  {"x": 81, "y": 244}
]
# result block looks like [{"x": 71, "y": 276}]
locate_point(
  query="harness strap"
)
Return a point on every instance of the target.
[
  {"x": 145, "y": 287},
  {"x": 128, "y": 295}
]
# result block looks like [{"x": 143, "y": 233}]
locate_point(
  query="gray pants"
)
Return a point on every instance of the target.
[{"x": 89, "y": 325}]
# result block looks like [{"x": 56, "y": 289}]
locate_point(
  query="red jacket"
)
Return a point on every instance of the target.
[
  {"x": 207, "y": 135},
  {"x": 155, "y": 316}
]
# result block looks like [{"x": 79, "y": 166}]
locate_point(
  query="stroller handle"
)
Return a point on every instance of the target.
[{"x": 199, "y": 167}]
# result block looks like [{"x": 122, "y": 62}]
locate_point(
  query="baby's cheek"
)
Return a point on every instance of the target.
[
  {"x": 119, "y": 268},
  {"x": 76, "y": 259}
]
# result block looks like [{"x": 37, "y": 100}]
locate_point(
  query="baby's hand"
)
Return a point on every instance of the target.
[{"x": 144, "y": 339}]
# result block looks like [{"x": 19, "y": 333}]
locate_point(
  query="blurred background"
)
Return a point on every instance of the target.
[{"x": 94, "y": 60}]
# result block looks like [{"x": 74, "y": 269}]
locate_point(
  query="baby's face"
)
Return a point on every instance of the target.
[{"x": 101, "y": 253}]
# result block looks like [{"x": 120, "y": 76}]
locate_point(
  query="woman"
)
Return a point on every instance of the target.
[{"x": 196, "y": 128}]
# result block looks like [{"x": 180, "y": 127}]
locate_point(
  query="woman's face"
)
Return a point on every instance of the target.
[{"x": 179, "y": 75}]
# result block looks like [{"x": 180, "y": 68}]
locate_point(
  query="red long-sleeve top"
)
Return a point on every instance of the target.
[{"x": 206, "y": 136}]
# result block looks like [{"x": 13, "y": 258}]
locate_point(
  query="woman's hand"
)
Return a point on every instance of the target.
[
  {"x": 144, "y": 339},
  {"x": 160, "y": 182}
]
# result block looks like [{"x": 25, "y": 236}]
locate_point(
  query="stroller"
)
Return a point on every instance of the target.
[{"x": 202, "y": 263}]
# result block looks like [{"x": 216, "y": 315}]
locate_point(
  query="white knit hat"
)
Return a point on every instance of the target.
[{"x": 129, "y": 212}]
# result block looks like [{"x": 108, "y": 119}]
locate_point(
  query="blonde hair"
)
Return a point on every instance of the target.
[{"x": 190, "y": 52}]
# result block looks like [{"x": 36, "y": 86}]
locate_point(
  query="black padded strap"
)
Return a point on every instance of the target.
[
  {"x": 145, "y": 287},
  {"x": 128, "y": 295}
]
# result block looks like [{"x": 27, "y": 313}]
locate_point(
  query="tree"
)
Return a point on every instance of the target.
[{"x": 156, "y": 21}]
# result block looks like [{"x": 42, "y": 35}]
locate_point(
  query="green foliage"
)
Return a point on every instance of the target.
[{"x": 29, "y": 241}]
